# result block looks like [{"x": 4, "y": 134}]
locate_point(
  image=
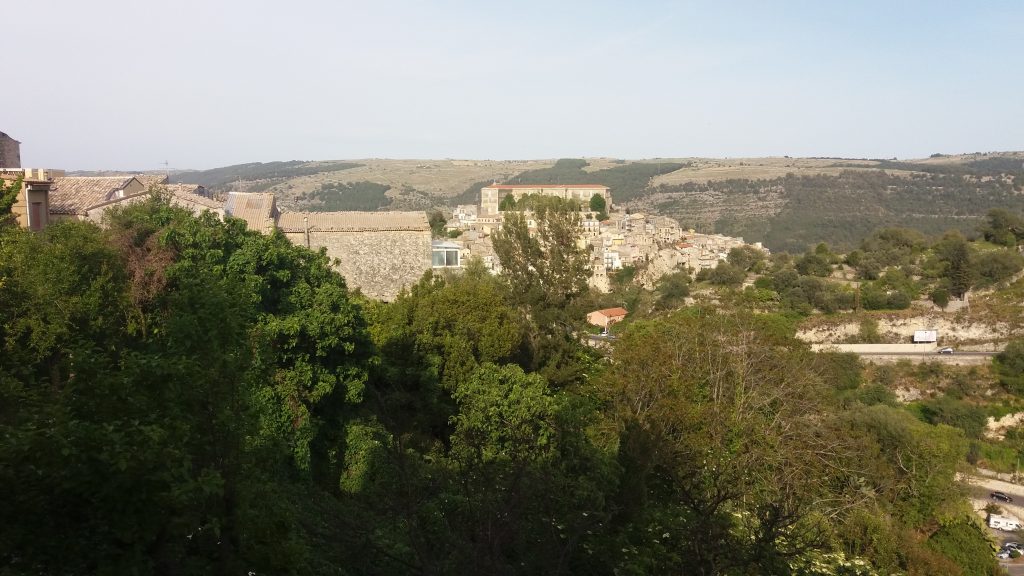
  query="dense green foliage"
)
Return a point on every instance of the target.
[
  {"x": 341, "y": 196},
  {"x": 844, "y": 208},
  {"x": 9, "y": 191},
  {"x": 1010, "y": 366},
  {"x": 156, "y": 381},
  {"x": 179, "y": 395}
]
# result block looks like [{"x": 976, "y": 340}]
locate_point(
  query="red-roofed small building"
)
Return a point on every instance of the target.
[{"x": 607, "y": 317}]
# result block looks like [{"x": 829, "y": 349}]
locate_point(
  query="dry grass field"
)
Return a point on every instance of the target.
[
  {"x": 442, "y": 178},
  {"x": 715, "y": 169}
]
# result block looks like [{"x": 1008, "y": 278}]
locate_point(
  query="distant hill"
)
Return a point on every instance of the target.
[
  {"x": 788, "y": 203},
  {"x": 268, "y": 173}
]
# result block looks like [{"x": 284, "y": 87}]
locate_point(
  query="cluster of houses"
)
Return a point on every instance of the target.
[
  {"x": 377, "y": 252},
  {"x": 622, "y": 239}
]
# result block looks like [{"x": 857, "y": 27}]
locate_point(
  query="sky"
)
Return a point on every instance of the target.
[{"x": 135, "y": 84}]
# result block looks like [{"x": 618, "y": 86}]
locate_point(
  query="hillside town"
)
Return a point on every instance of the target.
[{"x": 383, "y": 252}]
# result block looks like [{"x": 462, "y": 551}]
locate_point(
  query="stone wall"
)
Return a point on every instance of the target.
[
  {"x": 380, "y": 263},
  {"x": 10, "y": 152}
]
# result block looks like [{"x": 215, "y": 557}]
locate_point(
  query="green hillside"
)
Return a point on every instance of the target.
[
  {"x": 218, "y": 178},
  {"x": 841, "y": 209}
]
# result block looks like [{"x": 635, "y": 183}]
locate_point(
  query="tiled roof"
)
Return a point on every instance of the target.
[
  {"x": 612, "y": 312},
  {"x": 513, "y": 186},
  {"x": 189, "y": 193},
  {"x": 257, "y": 209},
  {"x": 76, "y": 194},
  {"x": 352, "y": 221},
  {"x": 151, "y": 179}
]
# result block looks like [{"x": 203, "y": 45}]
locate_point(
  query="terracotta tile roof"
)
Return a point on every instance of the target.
[
  {"x": 151, "y": 179},
  {"x": 352, "y": 221},
  {"x": 613, "y": 312},
  {"x": 513, "y": 186},
  {"x": 258, "y": 209},
  {"x": 76, "y": 194},
  {"x": 190, "y": 193}
]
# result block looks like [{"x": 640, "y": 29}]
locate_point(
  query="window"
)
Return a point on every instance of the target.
[{"x": 445, "y": 258}]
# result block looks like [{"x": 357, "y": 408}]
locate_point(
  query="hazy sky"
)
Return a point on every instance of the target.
[{"x": 129, "y": 84}]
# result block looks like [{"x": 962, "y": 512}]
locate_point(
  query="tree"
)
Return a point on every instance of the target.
[
  {"x": 746, "y": 258},
  {"x": 1003, "y": 227},
  {"x": 672, "y": 290},
  {"x": 547, "y": 274},
  {"x": 437, "y": 223},
  {"x": 940, "y": 297},
  {"x": 164, "y": 383},
  {"x": 9, "y": 191},
  {"x": 508, "y": 203},
  {"x": 954, "y": 252},
  {"x": 725, "y": 274},
  {"x": 814, "y": 264},
  {"x": 599, "y": 205},
  {"x": 721, "y": 441},
  {"x": 997, "y": 265},
  {"x": 426, "y": 348},
  {"x": 1009, "y": 365},
  {"x": 547, "y": 269}
]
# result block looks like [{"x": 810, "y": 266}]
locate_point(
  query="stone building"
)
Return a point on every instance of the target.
[
  {"x": 77, "y": 196},
  {"x": 188, "y": 196},
  {"x": 10, "y": 152},
  {"x": 491, "y": 196},
  {"x": 378, "y": 252},
  {"x": 258, "y": 209},
  {"x": 31, "y": 208}
]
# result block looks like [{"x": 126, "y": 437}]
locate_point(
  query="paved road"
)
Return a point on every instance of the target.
[
  {"x": 929, "y": 354},
  {"x": 979, "y": 489},
  {"x": 1013, "y": 567}
]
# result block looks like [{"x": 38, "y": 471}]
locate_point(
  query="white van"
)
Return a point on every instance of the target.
[{"x": 1003, "y": 523}]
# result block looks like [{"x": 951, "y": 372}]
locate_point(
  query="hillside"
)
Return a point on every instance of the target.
[{"x": 787, "y": 203}]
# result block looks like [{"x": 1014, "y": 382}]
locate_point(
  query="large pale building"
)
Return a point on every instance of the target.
[{"x": 491, "y": 196}]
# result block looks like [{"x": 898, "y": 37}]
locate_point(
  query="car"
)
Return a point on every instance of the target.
[
  {"x": 1000, "y": 496},
  {"x": 946, "y": 350},
  {"x": 1013, "y": 546},
  {"x": 1004, "y": 555}
]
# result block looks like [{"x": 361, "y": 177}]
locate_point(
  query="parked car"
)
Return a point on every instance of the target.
[
  {"x": 946, "y": 350},
  {"x": 1003, "y": 555},
  {"x": 1000, "y": 496},
  {"x": 1013, "y": 546}
]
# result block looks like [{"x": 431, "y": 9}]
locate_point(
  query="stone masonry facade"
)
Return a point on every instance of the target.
[
  {"x": 378, "y": 262},
  {"x": 10, "y": 152}
]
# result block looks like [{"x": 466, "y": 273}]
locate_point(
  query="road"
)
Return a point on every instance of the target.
[
  {"x": 957, "y": 358},
  {"x": 979, "y": 488},
  {"x": 935, "y": 355}
]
